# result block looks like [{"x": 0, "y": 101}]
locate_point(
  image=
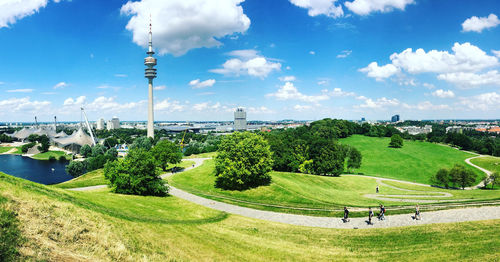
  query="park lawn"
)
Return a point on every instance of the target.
[
  {"x": 96, "y": 177},
  {"x": 203, "y": 155},
  {"x": 48, "y": 154},
  {"x": 415, "y": 162},
  {"x": 490, "y": 163},
  {"x": 66, "y": 226},
  {"x": 4, "y": 149}
]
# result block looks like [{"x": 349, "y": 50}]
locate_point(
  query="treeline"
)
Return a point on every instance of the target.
[
  {"x": 481, "y": 142},
  {"x": 314, "y": 149}
]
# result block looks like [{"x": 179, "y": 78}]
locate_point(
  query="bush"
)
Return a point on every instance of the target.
[
  {"x": 458, "y": 176},
  {"x": 328, "y": 157},
  {"x": 76, "y": 168},
  {"x": 85, "y": 151},
  {"x": 396, "y": 141},
  {"x": 44, "y": 143},
  {"x": 142, "y": 142},
  {"x": 62, "y": 158},
  {"x": 136, "y": 174},
  {"x": 354, "y": 158},
  {"x": 26, "y": 147},
  {"x": 52, "y": 158},
  {"x": 243, "y": 161},
  {"x": 10, "y": 236},
  {"x": 442, "y": 178}
]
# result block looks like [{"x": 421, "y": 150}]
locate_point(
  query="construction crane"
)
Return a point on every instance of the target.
[
  {"x": 36, "y": 122},
  {"x": 182, "y": 140},
  {"x": 88, "y": 126}
]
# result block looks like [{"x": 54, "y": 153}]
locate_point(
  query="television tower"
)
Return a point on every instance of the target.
[{"x": 150, "y": 74}]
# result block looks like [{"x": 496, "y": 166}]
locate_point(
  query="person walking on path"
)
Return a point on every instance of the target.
[
  {"x": 381, "y": 216},
  {"x": 370, "y": 215},
  {"x": 346, "y": 215},
  {"x": 417, "y": 213},
  {"x": 376, "y": 189}
]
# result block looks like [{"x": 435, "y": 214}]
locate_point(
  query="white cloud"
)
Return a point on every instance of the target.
[
  {"x": 320, "y": 7},
  {"x": 79, "y": 101},
  {"x": 478, "y": 24},
  {"x": 496, "y": 53},
  {"x": 287, "y": 78},
  {"x": 289, "y": 92},
  {"x": 259, "y": 110},
  {"x": 472, "y": 80},
  {"x": 426, "y": 105},
  {"x": 337, "y": 92},
  {"x": 201, "y": 84},
  {"x": 115, "y": 88},
  {"x": 14, "y": 105},
  {"x": 247, "y": 62},
  {"x": 108, "y": 104},
  {"x": 301, "y": 108},
  {"x": 365, "y": 7},
  {"x": 25, "y": 90},
  {"x": 443, "y": 94},
  {"x": 169, "y": 106},
  {"x": 160, "y": 87},
  {"x": 13, "y": 10},
  {"x": 121, "y": 75},
  {"x": 484, "y": 102},
  {"x": 379, "y": 72},
  {"x": 465, "y": 57},
  {"x": 312, "y": 52},
  {"x": 288, "y": 68},
  {"x": 181, "y": 25},
  {"x": 344, "y": 54},
  {"x": 379, "y": 103},
  {"x": 429, "y": 86},
  {"x": 206, "y": 106},
  {"x": 60, "y": 85}
]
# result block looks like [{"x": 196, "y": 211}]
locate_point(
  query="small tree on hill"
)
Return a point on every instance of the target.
[
  {"x": 354, "y": 158},
  {"x": 44, "y": 143},
  {"x": 243, "y": 161},
  {"x": 136, "y": 174},
  {"x": 396, "y": 141},
  {"x": 76, "y": 168},
  {"x": 493, "y": 179},
  {"x": 85, "y": 151},
  {"x": 166, "y": 152},
  {"x": 462, "y": 177},
  {"x": 442, "y": 177}
]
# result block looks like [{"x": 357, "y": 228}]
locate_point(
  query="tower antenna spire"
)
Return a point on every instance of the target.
[{"x": 150, "y": 74}]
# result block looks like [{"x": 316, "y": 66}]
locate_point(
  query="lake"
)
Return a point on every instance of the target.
[{"x": 40, "y": 171}]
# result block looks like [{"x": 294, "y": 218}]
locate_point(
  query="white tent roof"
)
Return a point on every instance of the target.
[{"x": 79, "y": 137}]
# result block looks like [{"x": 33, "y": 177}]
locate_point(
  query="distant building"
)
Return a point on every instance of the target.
[
  {"x": 415, "y": 130},
  {"x": 100, "y": 124},
  {"x": 240, "y": 119},
  {"x": 395, "y": 118},
  {"x": 114, "y": 123},
  {"x": 363, "y": 119}
]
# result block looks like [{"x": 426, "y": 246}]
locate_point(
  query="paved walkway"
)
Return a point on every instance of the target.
[
  {"x": 443, "y": 216},
  {"x": 487, "y": 172}
]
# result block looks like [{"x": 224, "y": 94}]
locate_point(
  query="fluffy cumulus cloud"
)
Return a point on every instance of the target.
[
  {"x": 201, "y": 84},
  {"x": 287, "y": 78},
  {"x": 181, "y": 25},
  {"x": 338, "y": 92},
  {"x": 496, "y": 53},
  {"x": 365, "y": 7},
  {"x": 289, "y": 92},
  {"x": 320, "y": 7},
  {"x": 379, "y": 103},
  {"x": 380, "y": 72},
  {"x": 478, "y": 24},
  {"x": 484, "y": 102},
  {"x": 426, "y": 106},
  {"x": 472, "y": 80},
  {"x": 101, "y": 104},
  {"x": 23, "y": 105},
  {"x": 79, "y": 101},
  {"x": 443, "y": 94},
  {"x": 301, "y": 108},
  {"x": 169, "y": 106},
  {"x": 60, "y": 85},
  {"x": 207, "y": 106},
  {"x": 247, "y": 62},
  {"x": 13, "y": 10}
]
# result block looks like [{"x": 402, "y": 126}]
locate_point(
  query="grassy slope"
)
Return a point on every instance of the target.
[
  {"x": 491, "y": 163},
  {"x": 203, "y": 155},
  {"x": 415, "y": 161},
  {"x": 4, "y": 149},
  {"x": 46, "y": 155},
  {"x": 96, "y": 177},
  {"x": 300, "y": 190},
  {"x": 61, "y": 226}
]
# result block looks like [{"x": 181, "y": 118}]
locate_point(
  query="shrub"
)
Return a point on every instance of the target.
[
  {"x": 10, "y": 236},
  {"x": 76, "y": 168},
  {"x": 396, "y": 141},
  {"x": 136, "y": 174},
  {"x": 52, "y": 158},
  {"x": 63, "y": 158},
  {"x": 85, "y": 151},
  {"x": 142, "y": 142},
  {"x": 462, "y": 177},
  {"x": 26, "y": 147},
  {"x": 243, "y": 161},
  {"x": 328, "y": 157},
  {"x": 354, "y": 158}
]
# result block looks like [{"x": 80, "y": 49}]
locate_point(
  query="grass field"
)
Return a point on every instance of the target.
[
  {"x": 490, "y": 162},
  {"x": 66, "y": 226},
  {"x": 292, "y": 190},
  {"x": 48, "y": 154},
  {"x": 203, "y": 155},
  {"x": 415, "y": 162},
  {"x": 96, "y": 177},
  {"x": 4, "y": 149}
]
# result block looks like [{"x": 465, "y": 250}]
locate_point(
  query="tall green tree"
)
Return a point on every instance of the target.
[
  {"x": 165, "y": 153},
  {"x": 493, "y": 179},
  {"x": 442, "y": 177},
  {"x": 243, "y": 161},
  {"x": 461, "y": 176},
  {"x": 44, "y": 143},
  {"x": 142, "y": 142},
  {"x": 136, "y": 174},
  {"x": 354, "y": 158},
  {"x": 76, "y": 168},
  {"x": 86, "y": 151},
  {"x": 328, "y": 157},
  {"x": 396, "y": 141}
]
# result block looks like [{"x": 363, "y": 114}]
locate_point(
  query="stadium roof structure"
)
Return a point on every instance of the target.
[
  {"x": 26, "y": 132},
  {"x": 78, "y": 138}
]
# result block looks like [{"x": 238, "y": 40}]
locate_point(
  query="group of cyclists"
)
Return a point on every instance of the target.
[{"x": 380, "y": 216}]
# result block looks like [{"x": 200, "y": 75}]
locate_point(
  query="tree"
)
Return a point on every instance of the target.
[
  {"x": 354, "y": 158},
  {"x": 396, "y": 141},
  {"x": 110, "y": 142},
  {"x": 461, "y": 176},
  {"x": 44, "y": 143},
  {"x": 442, "y": 177},
  {"x": 76, "y": 168},
  {"x": 243, "y": 161},
  {"x": 166, "y": 152},
  {"x": 98, "y": 150},
  {"x": 85, "y": 151},
  {"x": 328, "y": 157},
  {"x": 142, "y": 142},
  {"x": 136, "y": 174},
  {"x": 493, "y": 179},
  {"x": 111, "y": 154},
  {"x": 26, "y": 147}
]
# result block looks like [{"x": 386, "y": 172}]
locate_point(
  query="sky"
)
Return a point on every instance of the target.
[{"x": 278, "y": 59}]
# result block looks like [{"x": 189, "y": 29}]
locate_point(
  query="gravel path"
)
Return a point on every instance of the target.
[
  {"x": 487, "y": 172},
  {"x": 443, "y": 216}
]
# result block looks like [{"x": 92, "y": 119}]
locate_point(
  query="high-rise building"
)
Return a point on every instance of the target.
[
  {"x": 240, "y": 119},
  {"x": 150, "y": 74},
  {"x": 114, "y": 123},
  {"x": 100, "y": 124},
  {"x": 395, "y": 118},
  {"x": 363, "y": 119}
]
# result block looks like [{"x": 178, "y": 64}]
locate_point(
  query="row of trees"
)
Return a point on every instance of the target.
[
  {"x": 95, "y": 157},
  {"x": 458, "y": 176}
]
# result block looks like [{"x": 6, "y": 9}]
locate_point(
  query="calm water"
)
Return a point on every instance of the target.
[{"x": 40, "y": 171}]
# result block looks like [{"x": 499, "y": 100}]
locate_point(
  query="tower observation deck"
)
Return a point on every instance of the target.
[{"x": 150, "y": 74}]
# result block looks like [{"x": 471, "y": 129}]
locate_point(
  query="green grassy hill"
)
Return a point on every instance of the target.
[
  {"x": 60, "y": 225},
  {"x": 415, "y": 162}
]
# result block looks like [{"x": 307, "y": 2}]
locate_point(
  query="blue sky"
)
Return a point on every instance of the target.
[{"x": 280, "y": 59}]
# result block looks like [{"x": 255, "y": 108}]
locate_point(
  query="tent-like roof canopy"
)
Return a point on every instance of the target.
[{"x": 79, "y": 138}]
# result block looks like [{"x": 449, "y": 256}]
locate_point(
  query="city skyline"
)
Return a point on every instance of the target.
[{"x": 277, "y": 59}]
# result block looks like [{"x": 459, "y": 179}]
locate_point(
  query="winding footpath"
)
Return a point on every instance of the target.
[{"x": 402, "y": 220}]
